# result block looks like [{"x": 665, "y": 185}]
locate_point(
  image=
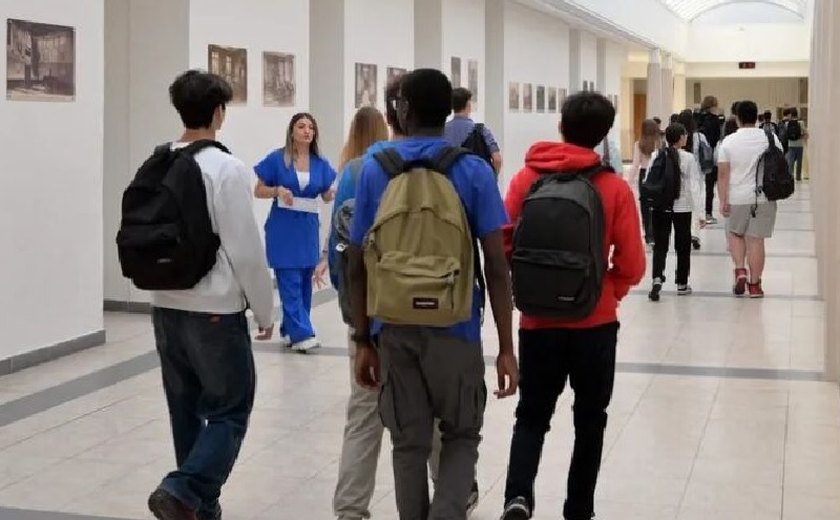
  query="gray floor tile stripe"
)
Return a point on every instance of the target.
[
  {"x": 628, "y": 367},
  {"x": 53, "y": 396},
  {"x": 57, "y": 395},
  {"x": 727, "y": 372},
  {"x": 26, "y": 514},
  {"x": 785, "y": 254}
]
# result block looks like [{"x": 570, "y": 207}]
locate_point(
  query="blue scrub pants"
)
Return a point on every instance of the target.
[{"x": 295, "y": 287}]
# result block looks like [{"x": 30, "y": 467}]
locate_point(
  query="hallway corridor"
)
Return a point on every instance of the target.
[{"x": 719, "y": 412}]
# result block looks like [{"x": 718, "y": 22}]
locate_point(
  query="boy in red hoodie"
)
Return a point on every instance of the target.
[{"x": 583, "y": 351}]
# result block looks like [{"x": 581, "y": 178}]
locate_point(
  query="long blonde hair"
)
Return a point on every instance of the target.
[{"x": 368, "y": 127}]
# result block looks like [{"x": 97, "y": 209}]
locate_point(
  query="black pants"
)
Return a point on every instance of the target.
[
  {"x": 662, "y": 223},
  {"x": 711, "y": 181},
  {"x": 546, "y": 358},
  {"x": 644, "y": 209}
]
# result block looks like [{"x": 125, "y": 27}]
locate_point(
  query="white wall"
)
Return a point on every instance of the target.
[
  {"x": 143, "y": 55},
  {"x": 767, "y": 93},
  {"x": 463, "y": 36},
  {"x": 616, "y": 56},
  {"x": 779, "y": 69},
  {"x": 253, "y": 130},
  {"x": 759, "y": 42},
  {"x": 51, "y": 194},
  {"x": 588, "y": 58},
  {"x": 647, "y": 19},
  {"x": 530, "y": 33},
  {"x": 380, "y": 33}
]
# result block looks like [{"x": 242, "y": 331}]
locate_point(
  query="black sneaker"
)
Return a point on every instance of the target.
[
  {"x": 684, "y": 290},
  {"x": 517, "y": 509},
  {"x": 166, "y": 507},
  {"x": 695, "y": 243},
  {"x": 472, "y": 501},
  {"x": 653, "y": 295}
]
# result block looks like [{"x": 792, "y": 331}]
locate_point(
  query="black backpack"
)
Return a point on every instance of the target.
[
  {"x": 662, "y": 182},
  {"x": 166, "y": 239},
  {"x": 793, "y": 130},
  {"x": 777, "y": 182},
  {"x": 341, "y": 227},
  {"x": 710, "y": 126},
  {"x": 476, "y": 144},
  {"x": 558, "y": 263}
]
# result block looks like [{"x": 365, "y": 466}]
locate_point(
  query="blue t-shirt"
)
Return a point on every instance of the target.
[
  {"x": 476, "y": 186},
  {"x": 460, "y": 127}
]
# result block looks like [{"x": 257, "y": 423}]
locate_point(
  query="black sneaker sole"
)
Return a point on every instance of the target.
[
  {"x": 166, "y": 507},
  {"x": 516, "y": 514}
]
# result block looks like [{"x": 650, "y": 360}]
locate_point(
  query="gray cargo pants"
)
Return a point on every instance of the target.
[{"x": 427, "y": 375}]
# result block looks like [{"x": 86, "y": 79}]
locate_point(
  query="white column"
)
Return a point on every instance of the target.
[
  {"x": 575, "y": 79},
  {"x": 667, "y": 87},
  {"x": 326, "y": 73},
  {"x": 601, "y": 67},
  {"x": 681, "y": 101},
  {"x": 625, "y": 108},
  {"x": 825, "y": 72},
  {"x": 428, "y": 21},
  {"x": 495, "y": 87},
  {"x": 654, "y": 88}
]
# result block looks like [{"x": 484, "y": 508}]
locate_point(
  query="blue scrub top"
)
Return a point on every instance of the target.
[{"x": 292, "y": 238}]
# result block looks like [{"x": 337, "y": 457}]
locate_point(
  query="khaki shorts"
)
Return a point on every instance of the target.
[{"x": 741, "y": 221}]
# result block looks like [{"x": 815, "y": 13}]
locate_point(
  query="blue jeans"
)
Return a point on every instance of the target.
[
  {"x": 795, "y": 156},
  {"x": 295, "y": 287},
  {"x": 209, "y": 381}
]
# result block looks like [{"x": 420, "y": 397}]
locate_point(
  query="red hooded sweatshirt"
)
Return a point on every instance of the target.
[{"x": 622, "y": 242}]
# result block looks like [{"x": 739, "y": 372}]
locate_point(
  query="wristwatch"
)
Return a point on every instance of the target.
[{"x": 360, "y": 339}]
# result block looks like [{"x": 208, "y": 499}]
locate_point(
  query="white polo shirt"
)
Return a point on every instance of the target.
[{"x": 742, "y": 150}]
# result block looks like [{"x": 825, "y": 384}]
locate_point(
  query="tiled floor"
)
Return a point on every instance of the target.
[{"x": 718, "y": 414}]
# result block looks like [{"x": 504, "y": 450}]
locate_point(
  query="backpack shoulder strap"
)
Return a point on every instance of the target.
[
  {"x": 447, "y": 157},
  {"x": 355, "y": 168},
  {"x": 589, "y": 173},
  {"x": 391, "y": 162},
  {"x": 197, "y": 146},
  {"x": 164, "y": 148}
]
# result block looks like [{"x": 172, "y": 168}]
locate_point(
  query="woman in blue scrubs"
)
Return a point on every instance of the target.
[{"x": 295, "y": 176}]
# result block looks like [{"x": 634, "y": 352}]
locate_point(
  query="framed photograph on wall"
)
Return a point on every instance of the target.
[
  {"x": 279, "y": 84},
  {"x": 513, "y": 96},
  {"x": 391, "y": 74},
  {"x": 552, "y": 100},
  {"x": 540, "y": 98},
  {"x": 472, "y": 80},
  {"x": 455, "y": 72},
  {"x": 40, "y": 61},
  {"x": 528, "y": 97},
  {"x": 230, "y": 63},
  {"x": 366, "y": 85}
]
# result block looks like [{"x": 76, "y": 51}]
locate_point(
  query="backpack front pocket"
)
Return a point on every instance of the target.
[
  {"x": 415, "y": 290},
  {"x": 550, "y": 282}
]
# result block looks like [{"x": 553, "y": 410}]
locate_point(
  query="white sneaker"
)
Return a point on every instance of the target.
[
  {"x": 285, "y": 342},
  {"x": 306, "y": 345}
]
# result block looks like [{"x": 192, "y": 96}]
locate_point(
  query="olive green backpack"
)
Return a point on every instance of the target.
[{"x": 420, "y": 253}]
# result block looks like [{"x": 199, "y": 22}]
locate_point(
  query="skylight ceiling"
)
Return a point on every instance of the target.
[{"x": 691, "y": 9}]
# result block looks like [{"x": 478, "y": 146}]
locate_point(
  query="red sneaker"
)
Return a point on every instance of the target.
[
  {"x": 755, "y": 290},
  {"x": 740, "y": 286}
]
